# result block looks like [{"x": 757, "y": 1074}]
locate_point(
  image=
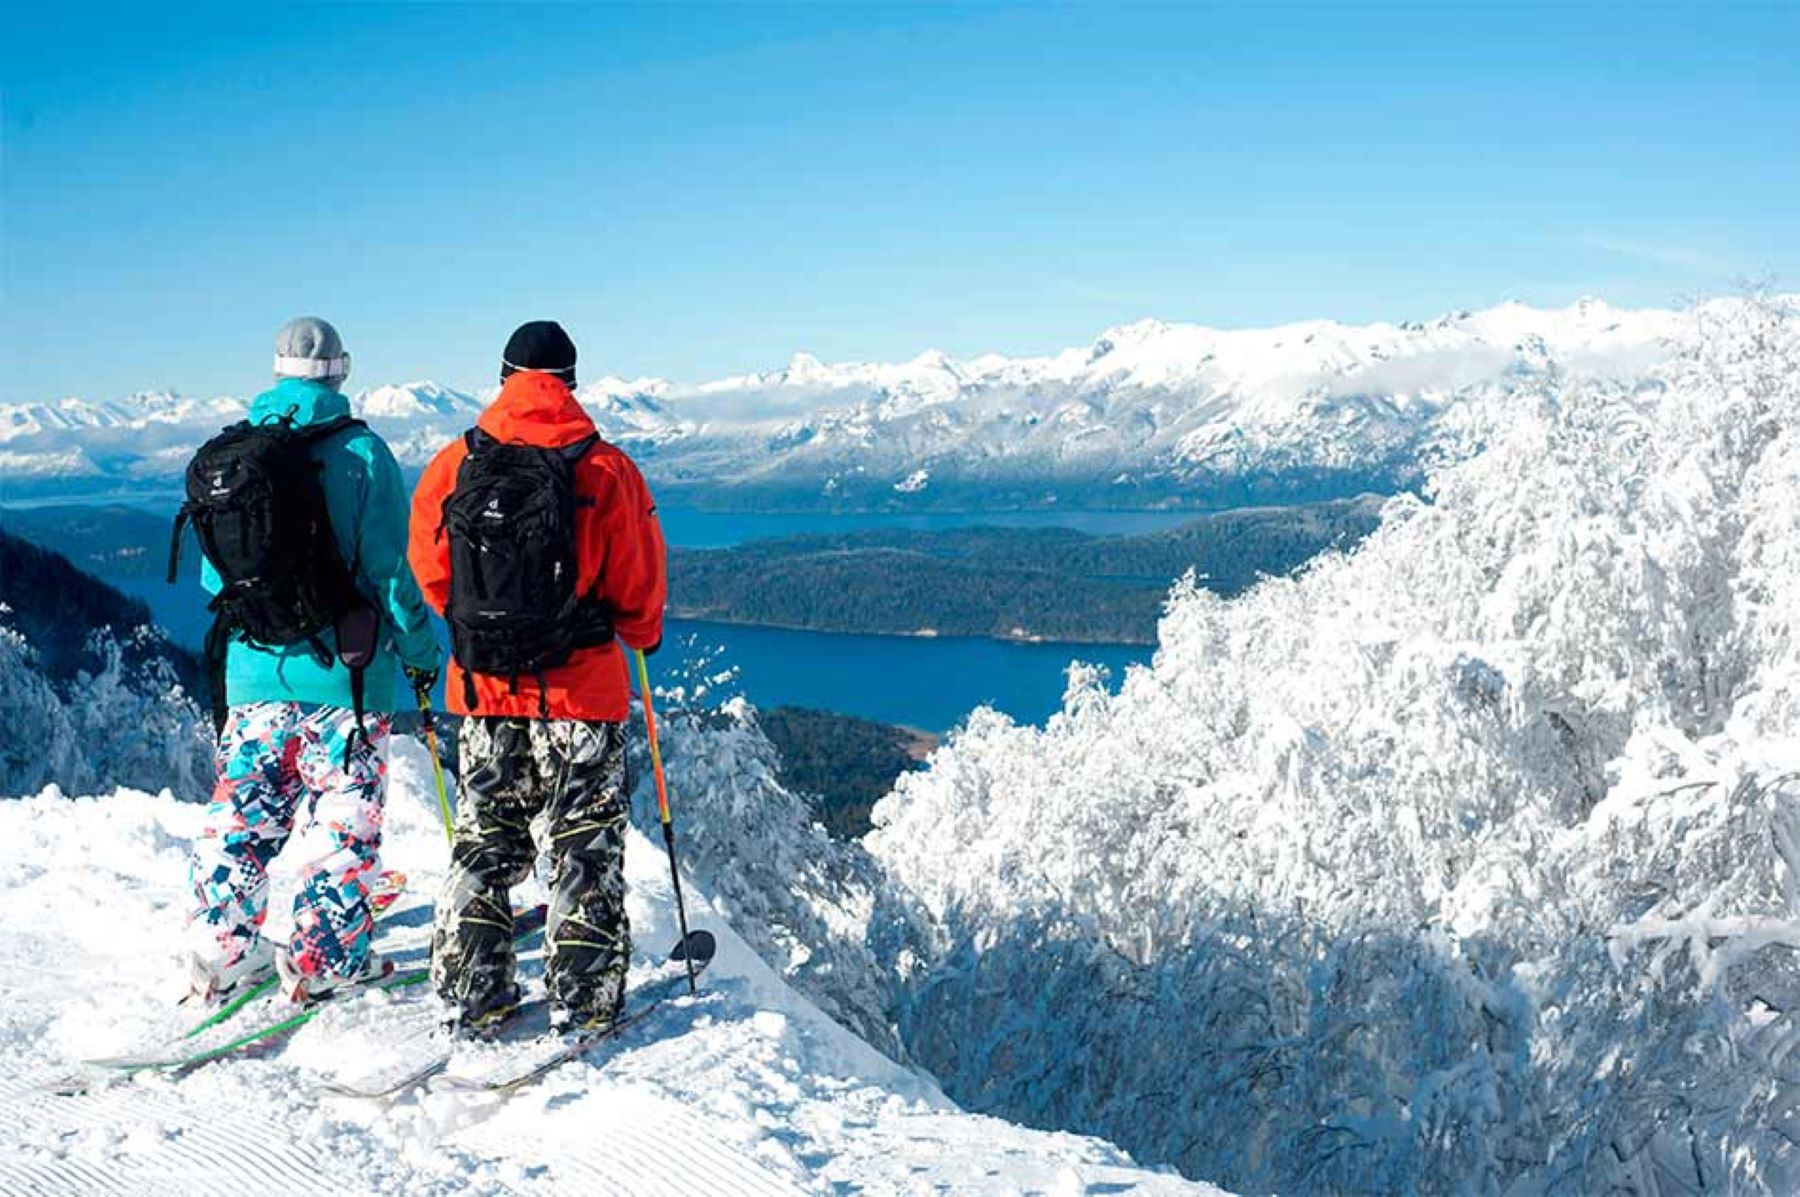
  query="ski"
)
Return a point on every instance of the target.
[
  {"x": 178, "y": 1060},
  {"x": 394, "y": 1081},
  {"x": 550, "y": 1052},
  {"x": 383, "y": 896}
]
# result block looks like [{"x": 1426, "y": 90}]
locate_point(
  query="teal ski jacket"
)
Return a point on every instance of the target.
[{"x": 368, "y": 503}]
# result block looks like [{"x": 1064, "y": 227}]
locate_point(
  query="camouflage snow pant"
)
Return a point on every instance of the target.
[
  {"x": 572, "y": 772},
  {"x": 281, "y": 767}
]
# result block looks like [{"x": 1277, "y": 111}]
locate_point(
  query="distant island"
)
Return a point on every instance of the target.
[{"x": 1051, "y": 584}]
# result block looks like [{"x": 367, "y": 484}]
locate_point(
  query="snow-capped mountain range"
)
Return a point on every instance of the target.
[{"x": 1149, "y": 414}]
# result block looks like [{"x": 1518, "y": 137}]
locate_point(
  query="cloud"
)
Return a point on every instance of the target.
[{"x": 1680, "y": 256}]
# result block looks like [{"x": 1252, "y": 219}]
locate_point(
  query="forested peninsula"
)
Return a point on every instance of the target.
[{"x": 1053, "y": 584}]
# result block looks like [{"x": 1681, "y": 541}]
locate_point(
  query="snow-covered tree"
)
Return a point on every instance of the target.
[
  {"x": 1464, "y": 859},
  {"x": 37, "y": 740},
  {"x": 136, "y": 725},
  {"x": 804, "y": 900},
  {"x": 121, "y": 725}
]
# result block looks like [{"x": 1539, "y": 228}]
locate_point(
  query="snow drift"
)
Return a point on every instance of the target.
[{"x": 1470, "y": 859}]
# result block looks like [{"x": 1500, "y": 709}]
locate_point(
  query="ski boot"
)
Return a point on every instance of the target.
[
  {"x": 485, "y": 1021},
  {"x": 210, "y": 983},
  {"x": 573, "y": 1024},
  {"x": 304, "y": 988}
]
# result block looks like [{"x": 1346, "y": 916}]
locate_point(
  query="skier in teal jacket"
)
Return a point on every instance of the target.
[
  {"x": 292, "y": 759},
  {"x": 369, "y": 505}
]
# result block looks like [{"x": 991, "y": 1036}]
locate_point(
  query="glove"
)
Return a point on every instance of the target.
[{"x": 422, "y": 679}]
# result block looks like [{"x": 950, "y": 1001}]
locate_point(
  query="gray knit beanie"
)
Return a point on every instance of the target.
[{"x": 308, "y": 347}]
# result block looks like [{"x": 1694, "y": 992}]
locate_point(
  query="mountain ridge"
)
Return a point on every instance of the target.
[{"x": 1149, "y": 414}]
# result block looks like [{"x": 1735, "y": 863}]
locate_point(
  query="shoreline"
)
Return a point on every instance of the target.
[{"x": 919, "y": 634}]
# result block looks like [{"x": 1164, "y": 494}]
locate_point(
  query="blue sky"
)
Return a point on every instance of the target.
[{"x": 696, "y": 192}]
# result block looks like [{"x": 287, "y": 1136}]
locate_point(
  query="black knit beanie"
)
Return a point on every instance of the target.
[{"x": 539, "y": 345}]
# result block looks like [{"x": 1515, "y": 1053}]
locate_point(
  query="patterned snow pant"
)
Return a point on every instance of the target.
[
  {"x": 573, "y": 773},
  {"x": 282, "y": 767}
]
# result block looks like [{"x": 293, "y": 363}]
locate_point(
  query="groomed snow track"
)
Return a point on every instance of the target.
[
  {"x": 151, "y": 1139},
  {"x": 747, "y": 1089}
]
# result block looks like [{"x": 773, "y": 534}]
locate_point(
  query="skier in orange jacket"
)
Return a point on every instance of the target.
[{"x": 538, "y": 541}]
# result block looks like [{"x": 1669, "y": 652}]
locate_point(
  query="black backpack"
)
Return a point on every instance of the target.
[
  {"x": 514, "y": 609},
  {"x": 257, "y": 504}
]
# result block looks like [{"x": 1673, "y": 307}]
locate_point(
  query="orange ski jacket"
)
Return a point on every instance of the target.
[{"x": 620, "y": 547}]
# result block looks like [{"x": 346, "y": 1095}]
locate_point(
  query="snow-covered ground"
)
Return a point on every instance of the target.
[{"x": 747, "y": 1089}]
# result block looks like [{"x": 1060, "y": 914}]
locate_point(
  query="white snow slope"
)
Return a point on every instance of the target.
[
  {"x": 1148, "y": 413},
  {"x": 746, "y": 1090}
]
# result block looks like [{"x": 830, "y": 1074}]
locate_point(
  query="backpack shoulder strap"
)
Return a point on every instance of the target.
[
  {"x": 314, "y": 433},
  {"x": 572, "y": 456},
  {"x": 580, "y": 449},
  {"x": 181, "y": 519}
]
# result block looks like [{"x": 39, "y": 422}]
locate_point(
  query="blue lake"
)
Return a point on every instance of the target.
[
  {"x": 928, "y": 683},
  {"x": 715, "y": 529}
]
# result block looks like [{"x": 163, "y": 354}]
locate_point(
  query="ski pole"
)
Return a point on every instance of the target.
[
  {"x": 662, "y": 806},
  {"x": 429, "y": 724}
]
